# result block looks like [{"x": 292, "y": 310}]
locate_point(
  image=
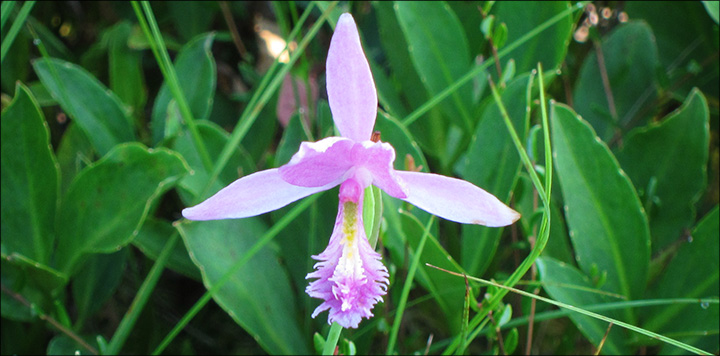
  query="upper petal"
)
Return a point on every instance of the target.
[
  {"x": 251, "y": 195},
  {"x": 455, "y": 199},
  {"x": 319, "y": 163},
  {"x": 378, "y": 158},
  {"x": 350, "y": 85}
]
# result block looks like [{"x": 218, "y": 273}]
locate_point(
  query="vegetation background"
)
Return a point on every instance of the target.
[{"x": 117, "y": 115}]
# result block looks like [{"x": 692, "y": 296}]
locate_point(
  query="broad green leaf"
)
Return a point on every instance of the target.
[
  {"x": 687, "y": 45},
  {"x": 74, "y": 153},
  {"x": 630, "y": 60},
  {"x": 549, "y": 47},
  {"x": 607, "y": 224},
  {"x": 492, "y": 163},
  {"x": 667, "y": 163},
  {"x": 107, "y": 202},
  {"x": 566, "y": 284},
  {"x": 712, "y": 10},
  {"x": 30, "y": 180},
  {"x": 125, "y": 68},
  {"x": 151, "y": 239},
  {"x": 693, "y": 273},
  {"x": 428, "y": 131},
  {"x": 97, "y": 110},
  {"x": 215, "y": 138},
  {"x": 439, "y": 51},
  {"x": 96, "y": 282},
  {"x": 33, "y": 281},
  {"x": 65, "y": 345},
  {"x": 195, "y": 69},
  {"x": 192, "y": 18},
  {"x": 258, "y": 297},
  {"x": 292, "y": 137}
]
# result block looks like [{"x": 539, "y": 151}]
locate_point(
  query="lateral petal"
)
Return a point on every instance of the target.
[
  {"x": 254, "y": 194},
  {"x": 319, "y": 163},
  {"x": 455, "y": 199},
  {"x": 350, "y": 86}
]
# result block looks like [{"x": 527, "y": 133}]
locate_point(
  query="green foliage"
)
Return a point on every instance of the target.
[{"x": 105, "y": 140}]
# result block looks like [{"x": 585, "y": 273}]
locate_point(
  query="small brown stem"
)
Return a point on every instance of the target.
[
  {"x": 227, "y": 14},
  {"x": 499, "y": 334},
  {"x": 50, "y": 320},
  {"x": 602, "y": 342},
  {"x": 605, "y": 80}
]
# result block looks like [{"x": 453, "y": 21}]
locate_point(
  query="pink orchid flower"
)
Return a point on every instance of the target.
[{"x": 351, "y": 279}]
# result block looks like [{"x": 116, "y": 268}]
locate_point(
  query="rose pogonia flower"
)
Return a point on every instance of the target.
[{"x": 351, "y": 279}]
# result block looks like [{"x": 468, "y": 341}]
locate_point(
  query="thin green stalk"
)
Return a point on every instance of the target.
[
  {"x": 332, "y": 339},
  {"x": 586, "y": 312},
  {"x": 15, "y": 28},
  {"x": 263, "y": 95},
  {"x": 143, "y": 295},
  {"x": 544, "y": 232},
  {"x": 5, "y": 10},
  {"x": 157, "y": 44},
  {"x": 555, "y": 314},
  {"x": 481, "y": 68},
  {"x": 406, "y": 288},
  {"x": 264, "y": 240}
]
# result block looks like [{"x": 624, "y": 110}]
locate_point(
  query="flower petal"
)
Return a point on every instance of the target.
[
  {"x": 319, "y": 163},
  {"x": 351, "y": 277},
  {"x": 455, "y": 199},
  {"x": 350, "y": 85},
  {"x": 251, "y": 195},
  {"x": 378, "y": 159}
]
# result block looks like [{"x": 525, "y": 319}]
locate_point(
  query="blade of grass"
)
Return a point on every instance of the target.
[
  {"x": 15, "y": 28},
  {"x": 5, "y": 10},
  {"x": 479, "y": 69},
  {"x": 264, "y": 240},
  {"x": 585, "y": 312},
  {"x": 263, "y": 94},
  {"x": 556, "y": 314},
  {"x": 157, "y": 45},
  {"x": 406, "y": 287},
  {"x": 141, "y": 298},
  {"x": 543, "y": 192}
]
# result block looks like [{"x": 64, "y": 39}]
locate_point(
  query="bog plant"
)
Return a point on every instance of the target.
[{"x": 111, "y": 150}]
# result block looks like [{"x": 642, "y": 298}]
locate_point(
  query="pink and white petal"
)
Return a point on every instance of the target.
[
  {"x": 378, "y": 159},
  {"x": 455, "y": 199},
  {"x": 255, "y": 194},
  {"x": 319, "y": 163},
  {"x": 350, "y": 85}
]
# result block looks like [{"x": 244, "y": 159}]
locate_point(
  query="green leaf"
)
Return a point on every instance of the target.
[
  {"x": 215, "y": 138},
  {"x": 566, "y": 284},
  {"x": 607, "y": 224},
  {"x": 195, "y": 68},
  {"x": 152, "y": 238},
  {"x": 97, "y": 281},
  {"x": 30, "y": 180},
  {"x": 439, "y": 51},
  {"x": 492, "y": 163},
  {"x": 667, "y": 163},
  {"x": 712, "y": 9},
  {"x": 630, "y": 60},
  {"x": 125, "y": 68},
  {"x": 292, "y": 137},
  {"x": 107, "y": 202},
  {"x": 258, "y": 297},
  {"x": 692, "y": 273},
  {"x": 687, "y": 45},
  {"x": 74, "y": 153},
  {"x": 549, "y": 47},
  {"x": 97, "y": 110},
  {"x": 33, "y": 281}
]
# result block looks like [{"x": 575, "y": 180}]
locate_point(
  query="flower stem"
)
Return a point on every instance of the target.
[{"x": 332, "y": 339}]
